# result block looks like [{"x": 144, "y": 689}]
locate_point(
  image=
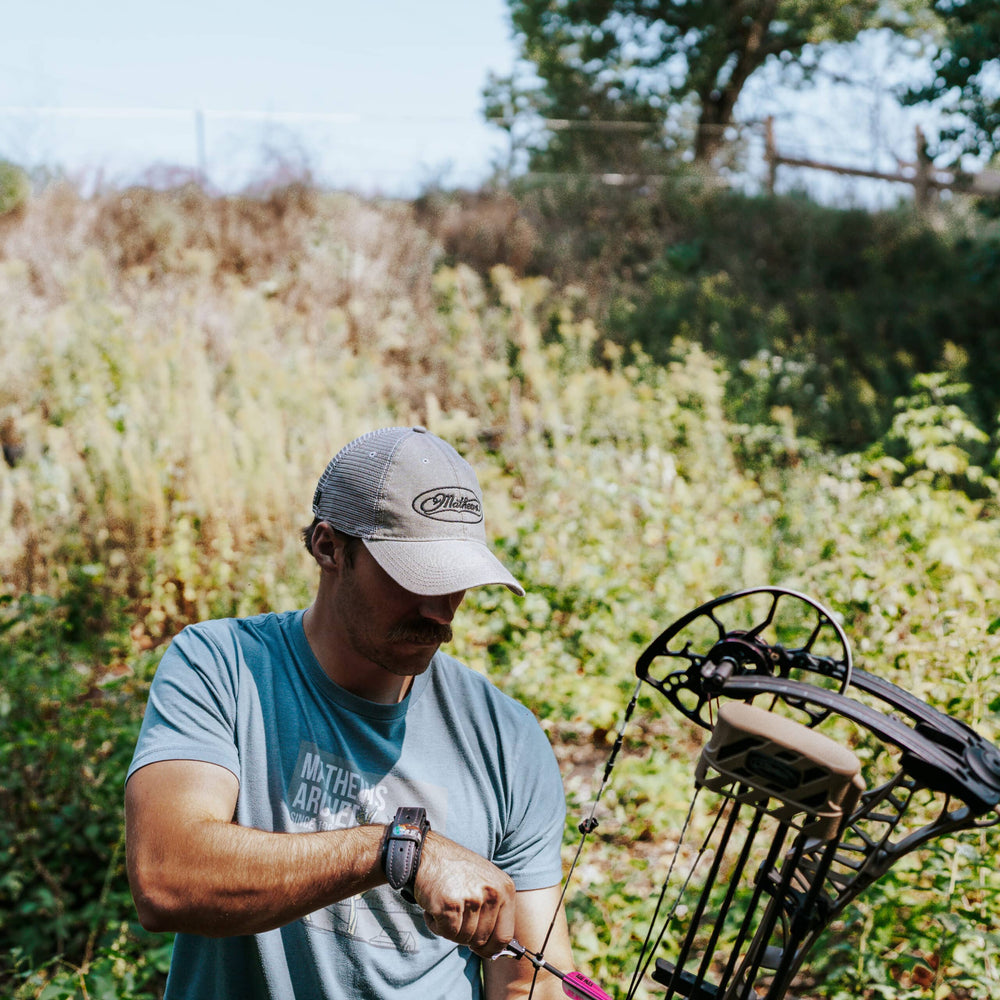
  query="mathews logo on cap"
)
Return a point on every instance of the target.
[{"x": 450, "y": 503}]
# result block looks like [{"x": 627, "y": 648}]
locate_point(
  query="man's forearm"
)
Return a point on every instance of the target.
[
  {"x": 191, "y": 868},
  {"x": 221, "y": 879}
]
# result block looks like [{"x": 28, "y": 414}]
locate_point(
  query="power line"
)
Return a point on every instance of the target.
[{"x": 334, "y": 117}]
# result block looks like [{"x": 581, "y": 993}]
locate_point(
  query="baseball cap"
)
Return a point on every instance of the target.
[{"x": 417, "y": 506}]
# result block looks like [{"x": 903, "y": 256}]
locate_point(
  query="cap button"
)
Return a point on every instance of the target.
[{"x": 419, "y": 430}]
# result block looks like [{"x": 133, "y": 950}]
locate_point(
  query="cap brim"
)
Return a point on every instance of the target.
[{"x": 441, "y": 566}]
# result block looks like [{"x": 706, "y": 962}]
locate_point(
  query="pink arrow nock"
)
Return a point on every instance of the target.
[
  {"x": 579, "y": 987},
  {"x": 575, "y": 984}
]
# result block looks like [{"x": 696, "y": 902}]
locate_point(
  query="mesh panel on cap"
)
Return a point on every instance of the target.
[{"x": 350, "y": 488}]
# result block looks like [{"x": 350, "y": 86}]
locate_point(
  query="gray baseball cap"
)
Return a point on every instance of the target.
[{"x": 417, "y": 506}]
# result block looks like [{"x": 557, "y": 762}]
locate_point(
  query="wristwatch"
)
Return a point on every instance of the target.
[{"x": 401, "y": 846}]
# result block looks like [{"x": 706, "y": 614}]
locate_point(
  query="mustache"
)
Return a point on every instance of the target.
[{"x": 421, "y": 632}]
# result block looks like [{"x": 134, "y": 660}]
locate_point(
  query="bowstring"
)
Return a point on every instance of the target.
[
  {"x": 643, "y": 961},
  {"x": 588, "y": 825}
]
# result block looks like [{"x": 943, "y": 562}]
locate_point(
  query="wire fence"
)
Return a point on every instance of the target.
[
  {"x": 232, "y": 149},
  {"x": 400, "y": 156}
]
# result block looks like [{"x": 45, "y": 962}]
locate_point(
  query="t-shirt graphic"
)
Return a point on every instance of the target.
[{"x": 327, "y": 792}]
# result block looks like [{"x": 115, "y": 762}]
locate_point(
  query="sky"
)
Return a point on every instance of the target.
[
  {"x": 381, "y": 98},
  {"x": 377, "y": 96}
]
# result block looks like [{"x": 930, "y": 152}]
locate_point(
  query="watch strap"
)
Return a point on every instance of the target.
[{"x": 401, "y": 849}]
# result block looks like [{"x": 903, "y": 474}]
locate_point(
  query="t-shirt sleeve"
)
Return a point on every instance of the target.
[
  {"x": 191, "y": 711},
  {"x": 530, "y": 851}
]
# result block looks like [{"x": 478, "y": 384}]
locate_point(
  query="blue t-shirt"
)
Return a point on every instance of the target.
[{"x": 249, "y": 695}]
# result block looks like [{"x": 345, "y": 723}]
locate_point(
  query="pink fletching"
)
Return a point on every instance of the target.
[{"x": 579, "y": 987}]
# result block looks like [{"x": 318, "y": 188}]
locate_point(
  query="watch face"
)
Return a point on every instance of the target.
[{"x": 408, "y": 830}]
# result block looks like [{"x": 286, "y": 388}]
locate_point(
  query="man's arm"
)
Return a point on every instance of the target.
[
  {"x": 508, "y": 978},
  {"x": 191, "y": 868}
]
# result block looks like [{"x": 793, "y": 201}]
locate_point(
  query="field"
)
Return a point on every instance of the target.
[{"x": 177, "y": 371}]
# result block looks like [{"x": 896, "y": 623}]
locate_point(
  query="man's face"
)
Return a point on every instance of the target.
[{"x": 387, "y": 625}]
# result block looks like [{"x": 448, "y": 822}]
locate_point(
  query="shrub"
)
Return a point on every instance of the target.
[
  {"x": 15, "y": 188},
  {"x": 70, "y": 706}
]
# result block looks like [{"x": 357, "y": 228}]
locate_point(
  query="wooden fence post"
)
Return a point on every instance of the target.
[
  {"x": 770, "y": 154},
  {"x": 922, "y": 181}
]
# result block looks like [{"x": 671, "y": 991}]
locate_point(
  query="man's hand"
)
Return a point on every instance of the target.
[
  {"x": 465, "y": 898},
  {"x": 507, "y": 978}
]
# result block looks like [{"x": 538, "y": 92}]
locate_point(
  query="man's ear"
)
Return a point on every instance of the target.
[{"x": 328, "y": 549}]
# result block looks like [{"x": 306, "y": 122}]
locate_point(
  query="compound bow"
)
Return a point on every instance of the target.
[{"x": 791, "y": 831}]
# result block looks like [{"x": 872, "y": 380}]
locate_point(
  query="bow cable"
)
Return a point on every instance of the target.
[{"x": 588, "y": 825}]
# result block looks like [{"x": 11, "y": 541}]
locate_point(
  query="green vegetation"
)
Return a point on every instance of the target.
[
  {"x": 963, "y": 63},
  {"x": 828, "y": 314},
  {"x": 628, "y": 87},
  {"x": 627, "y": 81},
  {"x": 179, "y": 368},
  {"x": 14, "y": 188}
]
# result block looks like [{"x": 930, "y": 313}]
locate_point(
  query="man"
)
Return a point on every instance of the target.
[{"x": 322, "y": 803}]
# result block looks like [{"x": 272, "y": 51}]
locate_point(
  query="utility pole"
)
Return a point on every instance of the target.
[{"x": 199, "y": 136}]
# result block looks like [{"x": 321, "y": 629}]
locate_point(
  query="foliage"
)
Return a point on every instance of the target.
[
  {"x": 173, "y": 406},
  {"x": 15, "y": 188},
  {"x": 900, "y": 942},
  {"x": 613, "y": 77},
  {"x": 820, "y": 314},
  {"x": 965, "y": 64},
  {"x": 828, "y": 314},
  {"x": 937, "y": 441},
  {"x": 69, "y": 711}
]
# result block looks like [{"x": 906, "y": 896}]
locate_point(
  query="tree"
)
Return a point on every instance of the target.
[
  {"x": 966, "y": 83},
  {"x": 616, "y": 77}
]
